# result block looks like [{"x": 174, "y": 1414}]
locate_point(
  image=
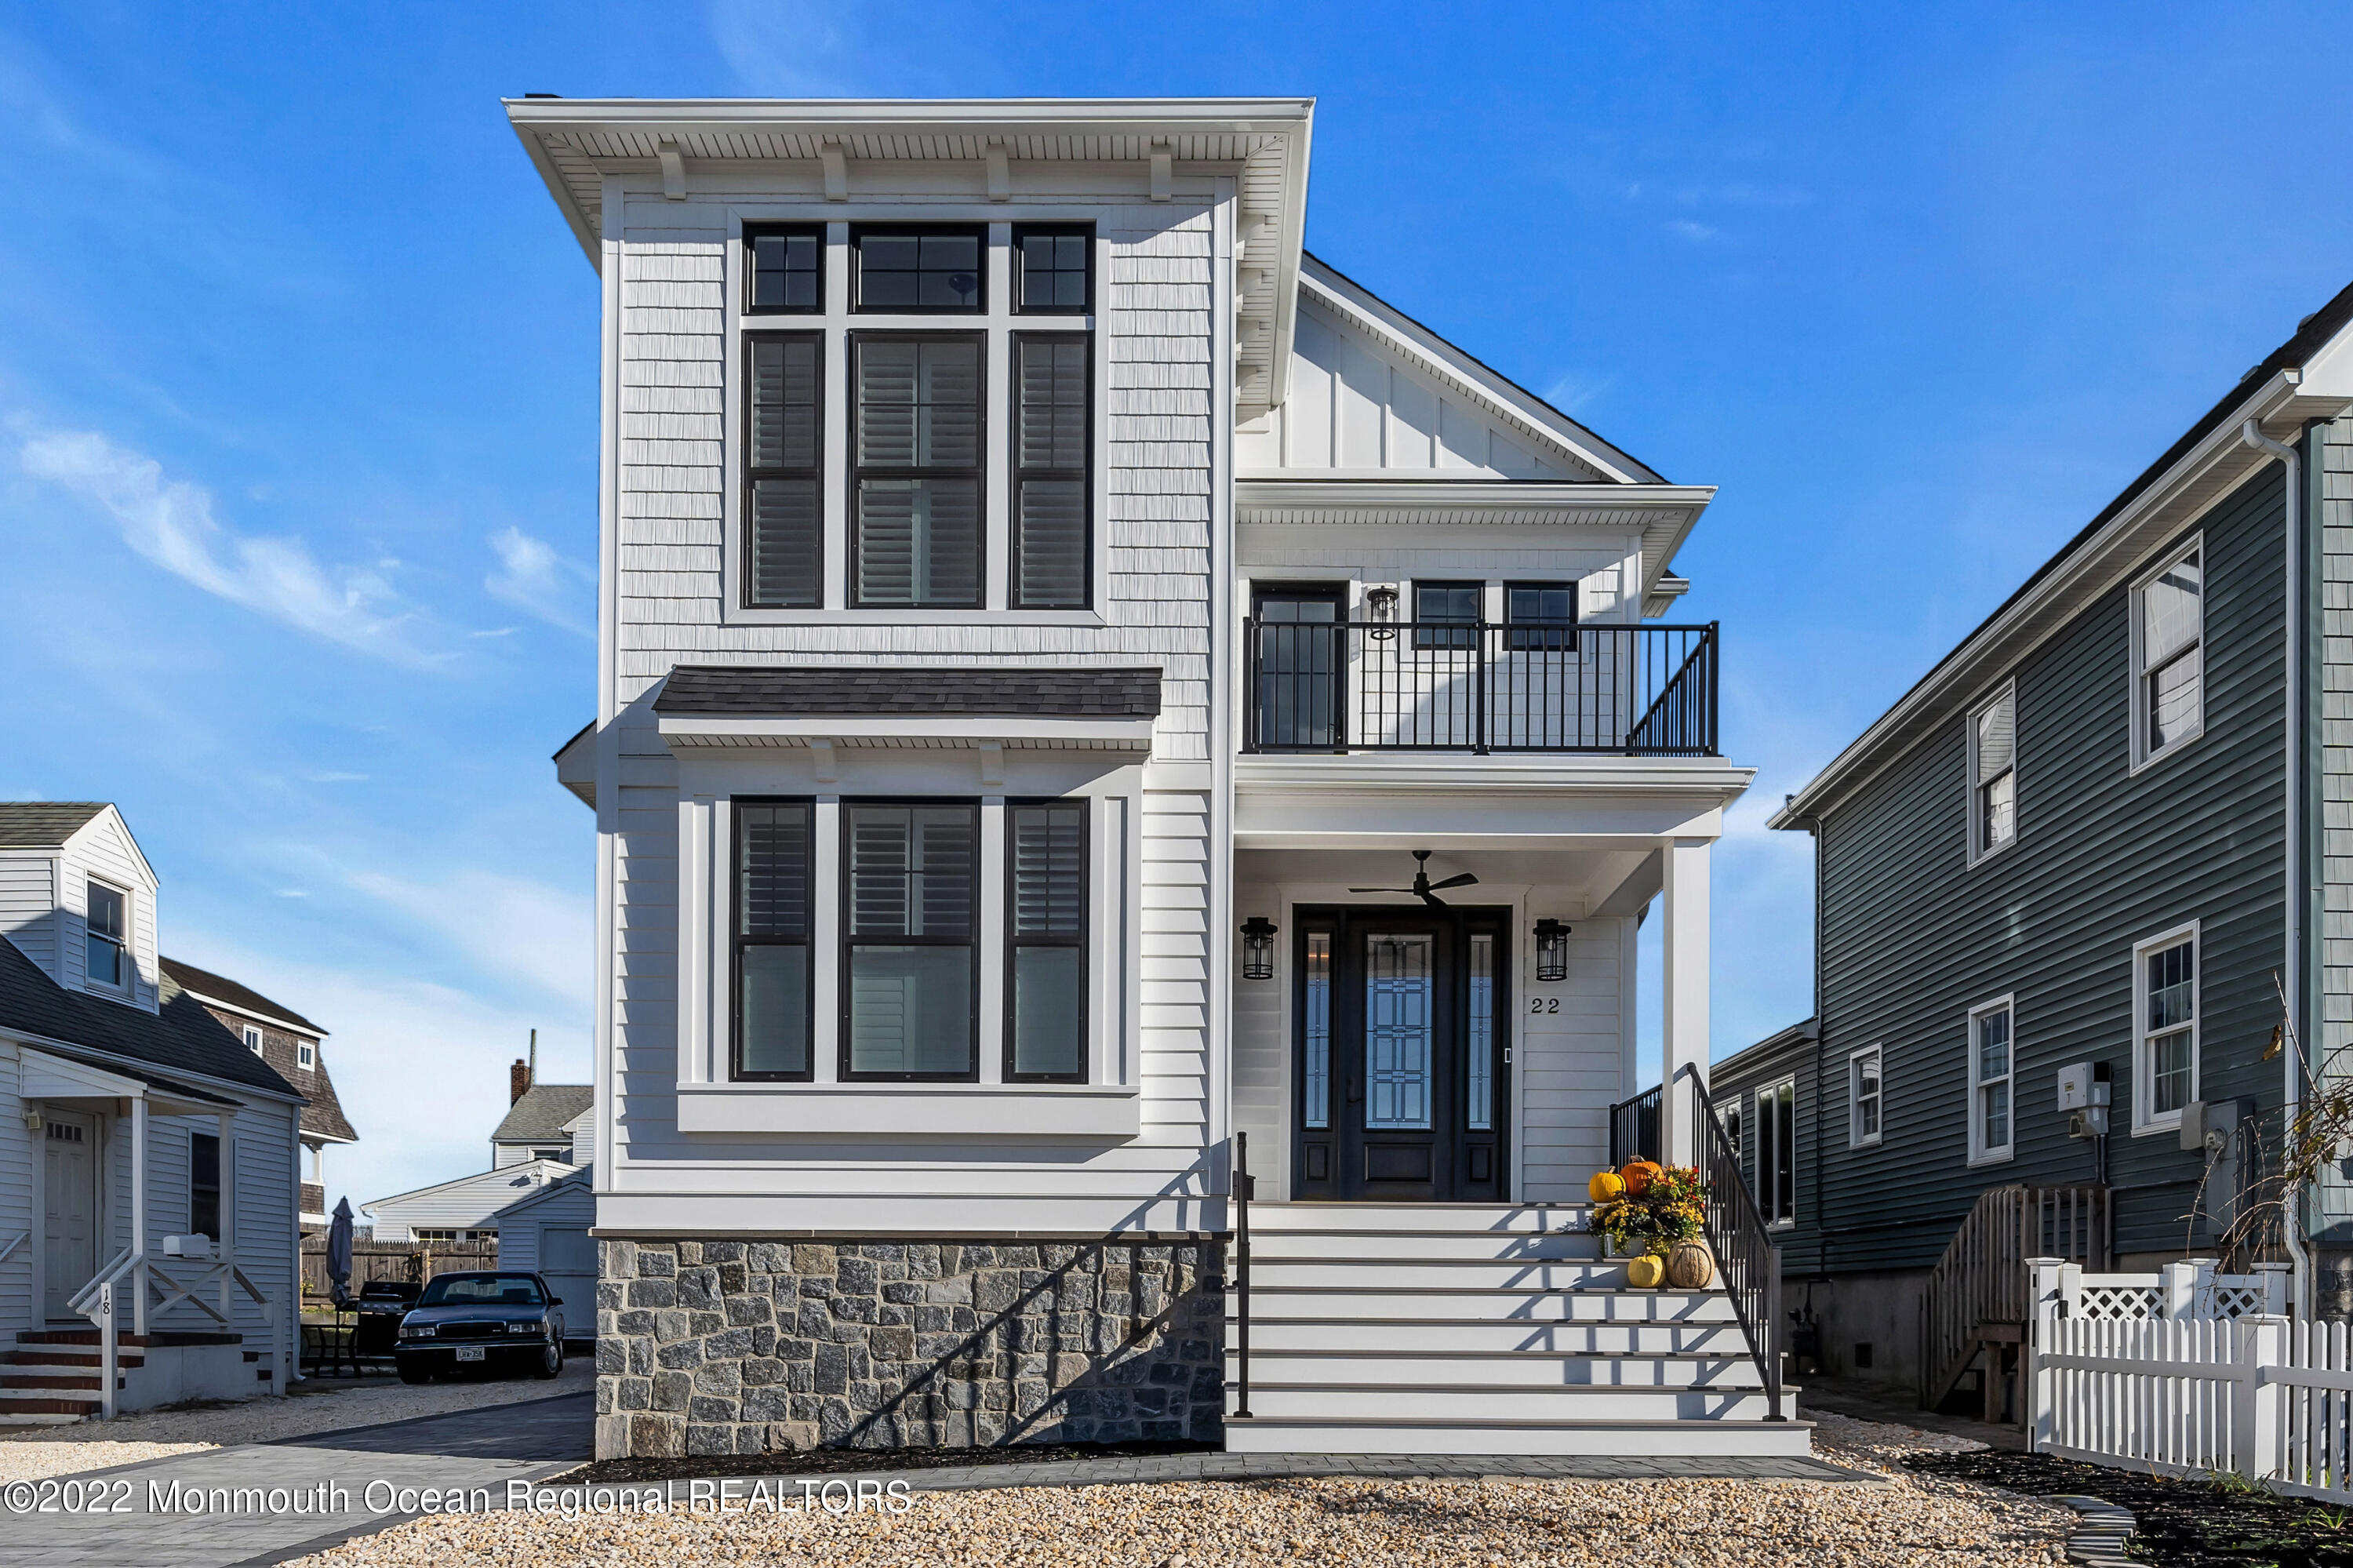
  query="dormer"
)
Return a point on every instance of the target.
[{"x": 78, "y": 898}]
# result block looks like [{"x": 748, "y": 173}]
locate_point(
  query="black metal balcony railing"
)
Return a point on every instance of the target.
[{"x": 1646, "y": 691}]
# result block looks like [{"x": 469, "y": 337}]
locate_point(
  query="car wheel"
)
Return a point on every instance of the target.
[
  {"x": 551, "y": 1360},
  {"x": 411, "y": 1373}
]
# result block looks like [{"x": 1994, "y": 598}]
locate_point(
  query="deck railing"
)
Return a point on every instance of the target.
[
  {"x": 1477, "y": 687},
  {"x": 1634, "y": 1129},
  {"x": 1982, "y": 1283},
  {"x": 1746, "y": 1257}
]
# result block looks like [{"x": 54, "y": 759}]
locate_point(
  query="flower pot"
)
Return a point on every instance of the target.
[{"x": 1690, "y": 1265}]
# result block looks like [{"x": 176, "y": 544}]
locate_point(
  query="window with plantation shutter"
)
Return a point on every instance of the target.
[
  {"x": 916, "y": 447},
  {"x": 1993, "y": 774},
  {"x": 772, "y": 940},
  {"x": 1046, "y": 993},
  {"x": 785, "y": 478},
  {"x": 910, "y": 1004},
  {"x": 1050, "y": 490}
]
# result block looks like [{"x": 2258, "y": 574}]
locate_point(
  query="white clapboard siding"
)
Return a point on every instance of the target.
[
  {"x": 102, "y": 849},
  {"x": 18, "y": 1213},
  {"x": 1570, "y": 1066},
  {"x": 469, "y": 1203},
  {"x": 29, "y": 907}
]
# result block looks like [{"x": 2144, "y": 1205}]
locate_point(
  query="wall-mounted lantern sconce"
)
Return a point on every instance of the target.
[
  {"x": 1552, "y": 950},
  {"x": 1258, "y": 949},
  {"x": 1381, "y": 604}
]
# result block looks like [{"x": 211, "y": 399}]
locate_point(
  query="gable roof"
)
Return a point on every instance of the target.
[
  {"x": 179, "y": 1036},
  {"x": 228, "y": 993},
  {"x": 570, "y": 1185},
  {"x": 531, "y": 1173},
  {"x": 543, "y": 1113},
  {"x": 2303, "y": 378},
  {"x": 44, "y": 825}
]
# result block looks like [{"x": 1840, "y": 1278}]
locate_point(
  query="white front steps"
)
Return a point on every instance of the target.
[{"x": 1483, "y": 1329}]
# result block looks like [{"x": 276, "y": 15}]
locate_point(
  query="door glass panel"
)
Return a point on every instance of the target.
[
  {"x": 1482, "y": 1117},
  {"x": 1399, "y": 1021},
  {"x": 1319, "y": 1029},
  {"x": 1298, "y": 679}
]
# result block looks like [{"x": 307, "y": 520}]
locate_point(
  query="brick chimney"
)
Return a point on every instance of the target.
[{"x": 517, "y": 1080}]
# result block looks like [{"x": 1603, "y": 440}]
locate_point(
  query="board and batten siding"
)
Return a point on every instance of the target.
[
  {"x": 1155, "y": 339},
  {"x": 1913, "y": 936}
]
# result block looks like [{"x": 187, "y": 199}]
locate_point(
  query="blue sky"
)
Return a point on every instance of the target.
[{"x": 298, "y": 376}]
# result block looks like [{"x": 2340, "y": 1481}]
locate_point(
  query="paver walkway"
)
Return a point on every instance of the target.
[{"x": 301, "y": 1494}]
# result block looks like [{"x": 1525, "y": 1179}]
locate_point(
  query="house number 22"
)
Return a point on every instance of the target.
[{"x": 1544, "y": 1004}]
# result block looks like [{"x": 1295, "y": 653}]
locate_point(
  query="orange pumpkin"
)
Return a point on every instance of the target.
[
  {"x": 1607, "y": 1187},
  {"x": 1636, "y": 1175}
]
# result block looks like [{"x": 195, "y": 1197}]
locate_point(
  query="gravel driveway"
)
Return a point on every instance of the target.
[
  {"x": 324, "y": 1405},
  {"x": 1910, "y": 1520}
]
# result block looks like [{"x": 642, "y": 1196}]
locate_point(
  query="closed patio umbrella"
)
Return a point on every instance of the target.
[{"x": 339, "y": 1253}]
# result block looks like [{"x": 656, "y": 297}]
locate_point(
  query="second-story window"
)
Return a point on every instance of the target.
[
  {"x": 1440, "y": 608},
  {"x": 1050, "y": 500},
  {"x": 917, "y": 450},
  {"x": 306, "y": 1055},
  {"x": 2168, "y": 656},
  {"x": 910, "y": 990},
  {"x": 1055, "y": 274},
  {"x": 932, "y": 271},
  {"x": 1543, "y": 616},
  {"x": 1993, "y": 774},
  {"x": 109, "y": 926},
  {"x": 785, "y": 488},
  {"x": 253, "y": 1039},
  {"x": 788, "y": 270}
]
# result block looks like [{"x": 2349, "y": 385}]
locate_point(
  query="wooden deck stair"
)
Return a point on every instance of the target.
[
  {"x": 1483, "y": 1329},
  {"x": 1977, "y": 1304},
  {"x": 52, "y": 1376}
]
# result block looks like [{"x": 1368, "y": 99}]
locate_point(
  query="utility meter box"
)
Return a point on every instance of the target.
[{"x": 2084, "y": 1086}]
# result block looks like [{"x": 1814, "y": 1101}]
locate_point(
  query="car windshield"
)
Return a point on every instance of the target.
[{"x": 481, "y": 1290}]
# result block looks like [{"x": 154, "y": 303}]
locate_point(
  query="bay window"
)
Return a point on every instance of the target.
[
  {"x": 1046, "y": 993},
  {"x": 910, "y": 976},
  {"x": 772, "y": 940}
]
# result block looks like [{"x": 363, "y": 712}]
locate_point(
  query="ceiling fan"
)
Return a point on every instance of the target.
[{"x": 1424, "y": 888}]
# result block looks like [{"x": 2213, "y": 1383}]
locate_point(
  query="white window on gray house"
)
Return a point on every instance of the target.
[
  {"x": 772, "y": 940},
  {"x": 1777, "y": 1152},
  {"x": 911, "y": 982},
  {"x": 1992, "y": 1070},
  {"x": 1993, "y": 773},
  {"x": 306, "y": 1054},
  {"x": 253, "y": 1039},
  {"x": 1863, "y": 1098},
  {"x": 2165, "y": 1027},
  {"x": 1046, "y": 1018},
  {"x": 108, "y": 923},
  {"x": 2168, "y": 636}
]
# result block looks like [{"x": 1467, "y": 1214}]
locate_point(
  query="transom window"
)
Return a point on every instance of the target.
[
  {"x": 1993, "y": 774},
  {"x": 918, "y": 455},
  {"x": 788, "y": 271},
  {"x": 2168, "y": 656},
  {"x": 1054, "y": 269},
  {"x": 1991, "y": 1072},
  {"x": 1046, "y": 994},
  {"x": 108, "y": 920},
  {"x": 931, "y": 271},
  {"x": 771, "y": 945},
  {"x": 2166, "y": 1027},
  {"x": 1863, "y": 1098},
  {"x": 910, "y": 996}
]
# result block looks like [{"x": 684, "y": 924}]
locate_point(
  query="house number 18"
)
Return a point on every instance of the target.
[{"x": 1544, "y": 1004}]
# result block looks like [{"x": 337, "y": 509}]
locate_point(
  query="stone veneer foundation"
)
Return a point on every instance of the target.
[{"x": 753, "y": 1347}]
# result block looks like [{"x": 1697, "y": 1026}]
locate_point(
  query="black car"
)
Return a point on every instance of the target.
[{"x": 482, "y": 1319}]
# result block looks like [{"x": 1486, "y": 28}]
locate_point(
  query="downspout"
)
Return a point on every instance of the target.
[{"x": 2292, "y": 1223}]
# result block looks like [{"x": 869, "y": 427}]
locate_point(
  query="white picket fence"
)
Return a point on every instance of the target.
[{"x": 2252, "y": 1394}]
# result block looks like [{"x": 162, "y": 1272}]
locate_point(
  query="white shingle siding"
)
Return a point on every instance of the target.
[{"x": 2332, "y": 451}]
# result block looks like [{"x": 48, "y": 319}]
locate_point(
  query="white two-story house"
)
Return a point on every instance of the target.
[{"x": 1092, "y": 703}]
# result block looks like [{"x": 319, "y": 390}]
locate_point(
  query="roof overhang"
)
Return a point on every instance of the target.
[
  {"x": 1014, "y": 731},
  {"x": 2206, "y": 472},
  {"x": 1262, "y": 143},
  {"x": 48, "y": 1075},
  {"x": 279, "y": 1020},
  {"x": 1663, "y": 515},
  {"x": 576, "y": 763}
]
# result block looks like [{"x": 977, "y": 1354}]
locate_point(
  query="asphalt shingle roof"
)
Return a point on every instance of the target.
[
  {"x": 539, "y": 1116},
  {"x": 768, "y": 691},
  {"x": 182, "y": 1035},
  {"x": 37, "y": 824},
  {"x": 220, "y": 988}
]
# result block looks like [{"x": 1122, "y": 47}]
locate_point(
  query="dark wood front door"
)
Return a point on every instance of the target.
[{"x": 1399, "y": 1054}]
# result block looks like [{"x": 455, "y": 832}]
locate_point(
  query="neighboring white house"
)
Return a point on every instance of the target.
[
  {"x": 1045, "y": 614},
  {"x": 147, "y": 1157},
  {"x": 547, "y": 1229},
  {"x": 463, "y": 1209}
]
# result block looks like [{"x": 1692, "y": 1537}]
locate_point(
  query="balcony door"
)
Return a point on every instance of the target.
[
  {"x": 1397, "y": 1055},
  {"x": 1297, "y": 660}
]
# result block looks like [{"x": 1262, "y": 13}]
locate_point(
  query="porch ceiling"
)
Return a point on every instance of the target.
[{"x": 1603, "y": 881}]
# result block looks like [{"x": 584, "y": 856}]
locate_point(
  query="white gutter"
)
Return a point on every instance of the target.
[{"x": 2252, "y": 432}]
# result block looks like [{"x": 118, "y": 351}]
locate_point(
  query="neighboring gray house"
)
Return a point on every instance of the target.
[
  {"x": 2083, "y": 859},
  {"x": 546, "y": 1135},
  {"x": 545, "y": 1121}
]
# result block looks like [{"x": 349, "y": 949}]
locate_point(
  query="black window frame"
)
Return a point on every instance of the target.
[
  {"x": 737, "y": 941},
  {"x": 1541, "y": 636},
  {"x": 858, "y": 472},
  {"x": 1020, "y": 271},
  {"x": 753, "y": 474},
  {"x": 1015, "y": 941},
  {"x": 201, "y": 1194},
  {"x": 752, "y": 234},
  {"x": 850, "y": 941},
  {"x": 1427, "y": 633},
  {"x": 1019, "y": 474},
  {"x": 860, "y": 232}
]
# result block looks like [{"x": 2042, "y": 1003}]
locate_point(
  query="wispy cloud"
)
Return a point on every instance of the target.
[
  {"x": 1573, "y": 391},
  {"x": 171, "y": 523},
  {"x": 533, "y": 577},
  {"x": 329, "y": 777},
  {"x": 1698, "y": 233},
  {"x": 792, "y": 49},
  {"x": 511, "y": 927}
]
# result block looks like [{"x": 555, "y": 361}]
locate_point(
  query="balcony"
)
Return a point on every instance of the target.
[{"x": 1480, "y": 688}]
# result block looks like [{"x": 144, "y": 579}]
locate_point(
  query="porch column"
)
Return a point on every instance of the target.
[
  {"x": 1683, "y": 1040},
  {"x": 139, "y": 1215}
]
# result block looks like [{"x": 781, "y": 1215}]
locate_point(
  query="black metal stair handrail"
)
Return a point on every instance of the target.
[
  {"x": 1242, "y": 1182},
  {"x": 1746, "y": 1257},
  {"x": 1480, "y": 687}
]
